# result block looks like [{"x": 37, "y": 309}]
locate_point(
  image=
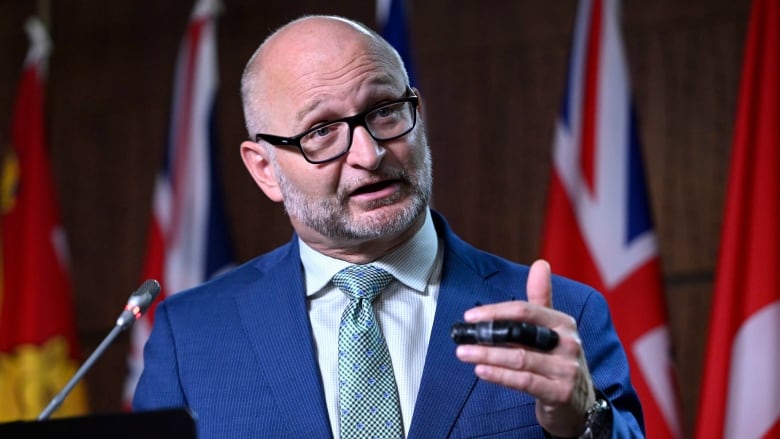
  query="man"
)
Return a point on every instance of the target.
[{"x": 264, "y": 351}]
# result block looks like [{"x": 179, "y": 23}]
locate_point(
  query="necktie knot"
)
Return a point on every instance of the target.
[{"x": 362, "y": 281}]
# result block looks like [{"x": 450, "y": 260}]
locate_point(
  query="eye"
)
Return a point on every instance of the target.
[
  {"x": 386, "y": 111},
  {"x": 322, "y": 131},
  {"x": 386, "y": 114},
  {"x": 323, "y": 135}
]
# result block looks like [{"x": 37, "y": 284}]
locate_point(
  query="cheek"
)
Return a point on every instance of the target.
[
  {"x": 412, "y": 153},
  {"x": 311, "y": 179}
]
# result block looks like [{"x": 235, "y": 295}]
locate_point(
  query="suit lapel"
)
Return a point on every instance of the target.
[
  {"x": 447, "y": 382},
  {"x": 275, "y": 317},
  {"x": 276, "y": 320}
]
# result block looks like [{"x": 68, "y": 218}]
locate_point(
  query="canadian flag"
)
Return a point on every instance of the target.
[
  {"x": 740, "y": 391},
  {"x": 598, "y": 226}
]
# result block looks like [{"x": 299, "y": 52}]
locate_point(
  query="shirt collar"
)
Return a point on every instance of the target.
[{"x": 411, "y": 263}]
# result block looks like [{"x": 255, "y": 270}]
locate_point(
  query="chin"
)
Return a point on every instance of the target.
[{"x": 387, "y": 219}]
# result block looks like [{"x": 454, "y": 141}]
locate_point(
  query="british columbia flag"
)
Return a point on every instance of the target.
[{"x": 598, "y": 225}]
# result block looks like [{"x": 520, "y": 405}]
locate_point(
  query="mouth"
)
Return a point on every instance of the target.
[
  {"x": 373, "y": 187},
  {"x": 378, "y": 190}
]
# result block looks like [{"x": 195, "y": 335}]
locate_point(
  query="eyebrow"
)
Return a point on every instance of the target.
[
  {"x": 311, "y": 106},
  {"x": 383, "y": 80}
]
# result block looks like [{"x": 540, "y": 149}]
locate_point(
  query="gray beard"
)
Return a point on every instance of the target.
[{"x": 331, "y": 218}]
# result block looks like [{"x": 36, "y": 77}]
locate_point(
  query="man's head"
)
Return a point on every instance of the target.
[{"x": 314, "y": 71}]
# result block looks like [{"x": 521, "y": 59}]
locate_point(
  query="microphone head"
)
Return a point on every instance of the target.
[
  {"x": 138, "y": 303},
  {"x": 145, "y": 295}
]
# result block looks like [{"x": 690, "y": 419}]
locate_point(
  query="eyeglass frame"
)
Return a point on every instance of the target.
[{"x": 354, "y": 121}]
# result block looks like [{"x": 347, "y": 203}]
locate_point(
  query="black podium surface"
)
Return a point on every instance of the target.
[{"x": 157, "y": 424}]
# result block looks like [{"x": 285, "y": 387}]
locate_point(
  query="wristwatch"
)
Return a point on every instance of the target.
[{"x": 598, "y": 419}]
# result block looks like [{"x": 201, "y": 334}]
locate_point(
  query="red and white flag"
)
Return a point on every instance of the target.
[
  {"x": 598, "y": 224},
  {"x": 740, "y": 391},
  {"x": 38, "y": 345},
  {"x": 188, "y": 239}
]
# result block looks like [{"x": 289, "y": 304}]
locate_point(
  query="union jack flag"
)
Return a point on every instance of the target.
[
  {"x": 598, "y": 224},
  {"x": 188, "y": 241}
]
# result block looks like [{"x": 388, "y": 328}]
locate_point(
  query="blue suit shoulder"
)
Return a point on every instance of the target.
[
  {"x": 233, "y": 282},
  {"x": 511, "y": 277}
]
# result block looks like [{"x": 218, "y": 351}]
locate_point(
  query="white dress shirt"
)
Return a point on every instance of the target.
[{"x": 404, "y": 309}]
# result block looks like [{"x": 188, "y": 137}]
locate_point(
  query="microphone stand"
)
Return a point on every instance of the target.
[
  {"x": 60, "y": 397},
  {"x": 137, "y": 304}
]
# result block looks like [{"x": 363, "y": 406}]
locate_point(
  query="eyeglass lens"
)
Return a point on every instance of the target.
[{"x": 383, "y": 123}]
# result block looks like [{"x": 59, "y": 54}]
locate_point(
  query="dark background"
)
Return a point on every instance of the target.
[{"x": 492, "y": 75}]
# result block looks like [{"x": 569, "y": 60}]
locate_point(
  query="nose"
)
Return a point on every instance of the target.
[{"x": 365, "y": 151}]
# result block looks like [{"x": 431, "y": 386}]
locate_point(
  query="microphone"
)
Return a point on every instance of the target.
[
  {"x": 504, "y": 332},
  {"x": 137, "y": 304}
]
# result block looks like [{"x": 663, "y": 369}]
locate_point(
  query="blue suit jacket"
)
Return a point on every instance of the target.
[{"x": 238, "y": 351}]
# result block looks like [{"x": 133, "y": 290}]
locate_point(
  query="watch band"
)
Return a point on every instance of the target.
[{"x": 598, "y": 419}]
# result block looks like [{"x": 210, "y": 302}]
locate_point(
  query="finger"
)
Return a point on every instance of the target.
[
  {"x": 518, "y": 357},
  {"x": 530, "y": 372},
  {"x": 536, "y": 385},
  {"x": 517, "y": 310},
  {"x": 549, "y": 379},
  {"x": 539, "y": 284},
  {"x": 509, "y": 358}
]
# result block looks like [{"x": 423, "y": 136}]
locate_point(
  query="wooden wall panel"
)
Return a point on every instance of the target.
[{"x": 491, "y": 75}]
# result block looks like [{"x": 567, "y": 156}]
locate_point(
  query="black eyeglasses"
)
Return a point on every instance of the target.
[{"x": 332, "y": 140}]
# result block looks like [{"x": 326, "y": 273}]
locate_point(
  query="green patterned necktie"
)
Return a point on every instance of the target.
[{"x": 368, "y": 397}]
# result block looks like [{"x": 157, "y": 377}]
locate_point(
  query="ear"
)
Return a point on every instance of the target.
[
  {"x": 259, "y": 165},
  {"x": 419, "y": 102}
]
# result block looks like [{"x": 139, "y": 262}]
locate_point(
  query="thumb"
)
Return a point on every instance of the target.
[{"x": 539, "y": 284}]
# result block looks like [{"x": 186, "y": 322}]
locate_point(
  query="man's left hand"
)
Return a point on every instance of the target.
[{"x": 559, "y": 379}]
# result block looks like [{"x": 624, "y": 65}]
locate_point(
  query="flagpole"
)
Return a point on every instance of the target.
[{"x": 44, "y": 12}]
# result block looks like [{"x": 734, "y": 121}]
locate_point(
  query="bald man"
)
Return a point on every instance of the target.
[{"x": 338, "y": 136}]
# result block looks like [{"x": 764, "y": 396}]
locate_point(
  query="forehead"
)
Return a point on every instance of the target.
[{"x": 317, "y": 59}]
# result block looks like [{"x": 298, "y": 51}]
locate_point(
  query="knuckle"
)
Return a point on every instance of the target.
[
  {"x": 519, "y": 359},
  {"x": 524, "y": 380},
  {"x": 571, "y": 370},
  {"x": 572, "y": 345}
]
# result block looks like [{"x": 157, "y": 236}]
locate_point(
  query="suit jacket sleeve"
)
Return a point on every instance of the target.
[
  {"x": 159, "y": 386},
  {"x": 608, "y": 365}
]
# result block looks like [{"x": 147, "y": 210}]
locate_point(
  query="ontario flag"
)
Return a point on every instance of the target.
[
  {"x": 598, "y": 226},
  {"x": 38, "y": 345},
  {"x": 188, "y": 238},
  {"x": 740, "y": 391},
  {"x": 392, "y": 21}
]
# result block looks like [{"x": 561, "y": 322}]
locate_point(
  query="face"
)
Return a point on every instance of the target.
[
  {"x": 376, "y": 190},
  {"x": 357, "y": 208}
]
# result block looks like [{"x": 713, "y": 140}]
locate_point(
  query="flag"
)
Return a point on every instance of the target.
[
  {"x": 740, "y": 390},
  {"x": 38, "y": 345},
  {"x": 598, "y": 226},
  {"x": 188, "y": 239},
  {"x": 391, "y": 18}
]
